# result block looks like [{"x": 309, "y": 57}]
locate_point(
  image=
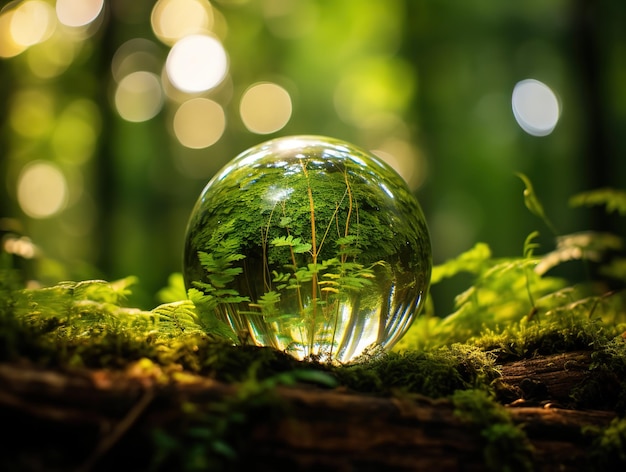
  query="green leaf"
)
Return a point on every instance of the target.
[
  {"x": 613, "y": 200},
  {"x": 285, "y": 241},
  {"x": 316, "y": 377},
  {"x": 223, "y": 448},
  {"x": 472, "y": 261},
  {"x": 280, "y": 277},
  {"x": 296, "y": 244},
  {"x": 174, "y": 291},
  {"x": 346, "y": 240},
  {"x": 270, "y": 297},
  {"x": 586, "y": 245},
  {"x": 533, "y": 204},
  {"x": 302, "y": 248},
  {"x": 529, "y": 245},
  {"x": 225, "y": 276},
  {"x": 181, "y": 315}
]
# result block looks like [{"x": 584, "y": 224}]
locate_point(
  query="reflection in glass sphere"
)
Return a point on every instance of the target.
[{"x": 309, "y": 245}]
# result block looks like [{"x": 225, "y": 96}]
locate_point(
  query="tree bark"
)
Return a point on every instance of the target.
[{"x": 99, "y": 420}]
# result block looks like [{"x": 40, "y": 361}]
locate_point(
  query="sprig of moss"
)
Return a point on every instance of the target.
[
  {"x": 436, "y": 373},
  {"x": 506, "y": 446},
  {"x": 608, "y": 449},
  {"x": 605, "y": 387}
]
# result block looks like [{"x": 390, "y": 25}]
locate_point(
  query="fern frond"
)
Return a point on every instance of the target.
[
  {"x": 174, "y": 291},
  {"x": 611, "y": 199},
  {"x": 177, "y": 316},
  {"x": 586, "y": 245},
  {"x": 472, "y": 261},
  {"x": 533, "y": 204}
]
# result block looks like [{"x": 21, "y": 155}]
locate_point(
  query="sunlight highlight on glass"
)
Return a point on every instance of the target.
[
  {"x": 32, "y": 22},
  {"x": 172, "y": 20},
  {"x": 535, "y": 107},
  {"x": 265, "y": 108},
  {"x": 199, "y": 123},
  {"x": 42, "y": 190},
  {"x": 139, "y": 96},
  {"x": 77, "y": 13},
  {"x": 196, "y": 63}
]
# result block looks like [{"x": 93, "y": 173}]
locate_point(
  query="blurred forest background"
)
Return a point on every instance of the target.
[{"x": 115, "y": 114}]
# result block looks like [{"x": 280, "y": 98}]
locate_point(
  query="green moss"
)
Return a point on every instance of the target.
[
  {"x": 233, "y": 363},
  {"x": 80, "y": 324},
  {"x": 605, "y": 386},
  {"x": 608, "y": 450},
  {"x": 435, "y": 373},
  {"x": 545, "y": 336},
  {"x": 506, "y": 447}
]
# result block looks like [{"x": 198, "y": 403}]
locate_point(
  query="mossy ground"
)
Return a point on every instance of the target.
[
  {"x": 466, "y": 373},
  {"x": 514, "y": 310}
]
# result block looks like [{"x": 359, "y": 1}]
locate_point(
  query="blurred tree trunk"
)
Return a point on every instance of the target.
[{"x": 589, "y": 58}]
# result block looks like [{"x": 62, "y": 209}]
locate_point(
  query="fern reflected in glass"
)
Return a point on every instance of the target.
[{"x": 309, "y": 245}]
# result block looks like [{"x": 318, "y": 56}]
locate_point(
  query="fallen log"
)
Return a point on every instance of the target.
[{"x": 88, "y": 420}]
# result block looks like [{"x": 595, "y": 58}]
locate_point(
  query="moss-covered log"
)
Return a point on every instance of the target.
[{"x": 141, "y": 419}]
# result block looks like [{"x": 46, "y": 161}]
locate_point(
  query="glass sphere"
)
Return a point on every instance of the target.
[{"x": 309, "y": 245}]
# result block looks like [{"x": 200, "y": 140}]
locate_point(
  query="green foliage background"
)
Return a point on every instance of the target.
[{"x": 444, "y": 71}]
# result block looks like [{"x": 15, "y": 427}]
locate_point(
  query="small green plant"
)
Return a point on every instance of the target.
[
  {"x": 608, "y": 451},
  {"x": 516, "y": 306},
  {"x": 506, "y": 447}
]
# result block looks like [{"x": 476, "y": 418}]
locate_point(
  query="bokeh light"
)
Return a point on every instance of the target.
[
  {"x": 405, "y": 159},
  {"x": 373, "y": 73},
  {"x": 535, "y": 107},
  {"x": 8, "y": 46},
  {"x": 288, "y": 19},
  {"x": 196, "y": 63},
  {"x": 139, "y": 96},
  {"x": 265, "y": 108},
  {"x": 20, "y": 246},
  {"x": 76, "y": 132},
  {"x": 32, "y": 22},
  {"x": 32, "y": 113},
  {"x": 52, "y": 57},
  {"x": 172, "y": 20},
  {"x": 77, "y": 13},
  {"x": 42, "y": 190},
  {"x": 199, "y": 123},
  {"x": 135, "y": 55},
  {"x": 374, "y": 86}
]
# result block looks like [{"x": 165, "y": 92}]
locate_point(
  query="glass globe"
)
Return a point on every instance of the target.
[{"x": 309, "y": 245}]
